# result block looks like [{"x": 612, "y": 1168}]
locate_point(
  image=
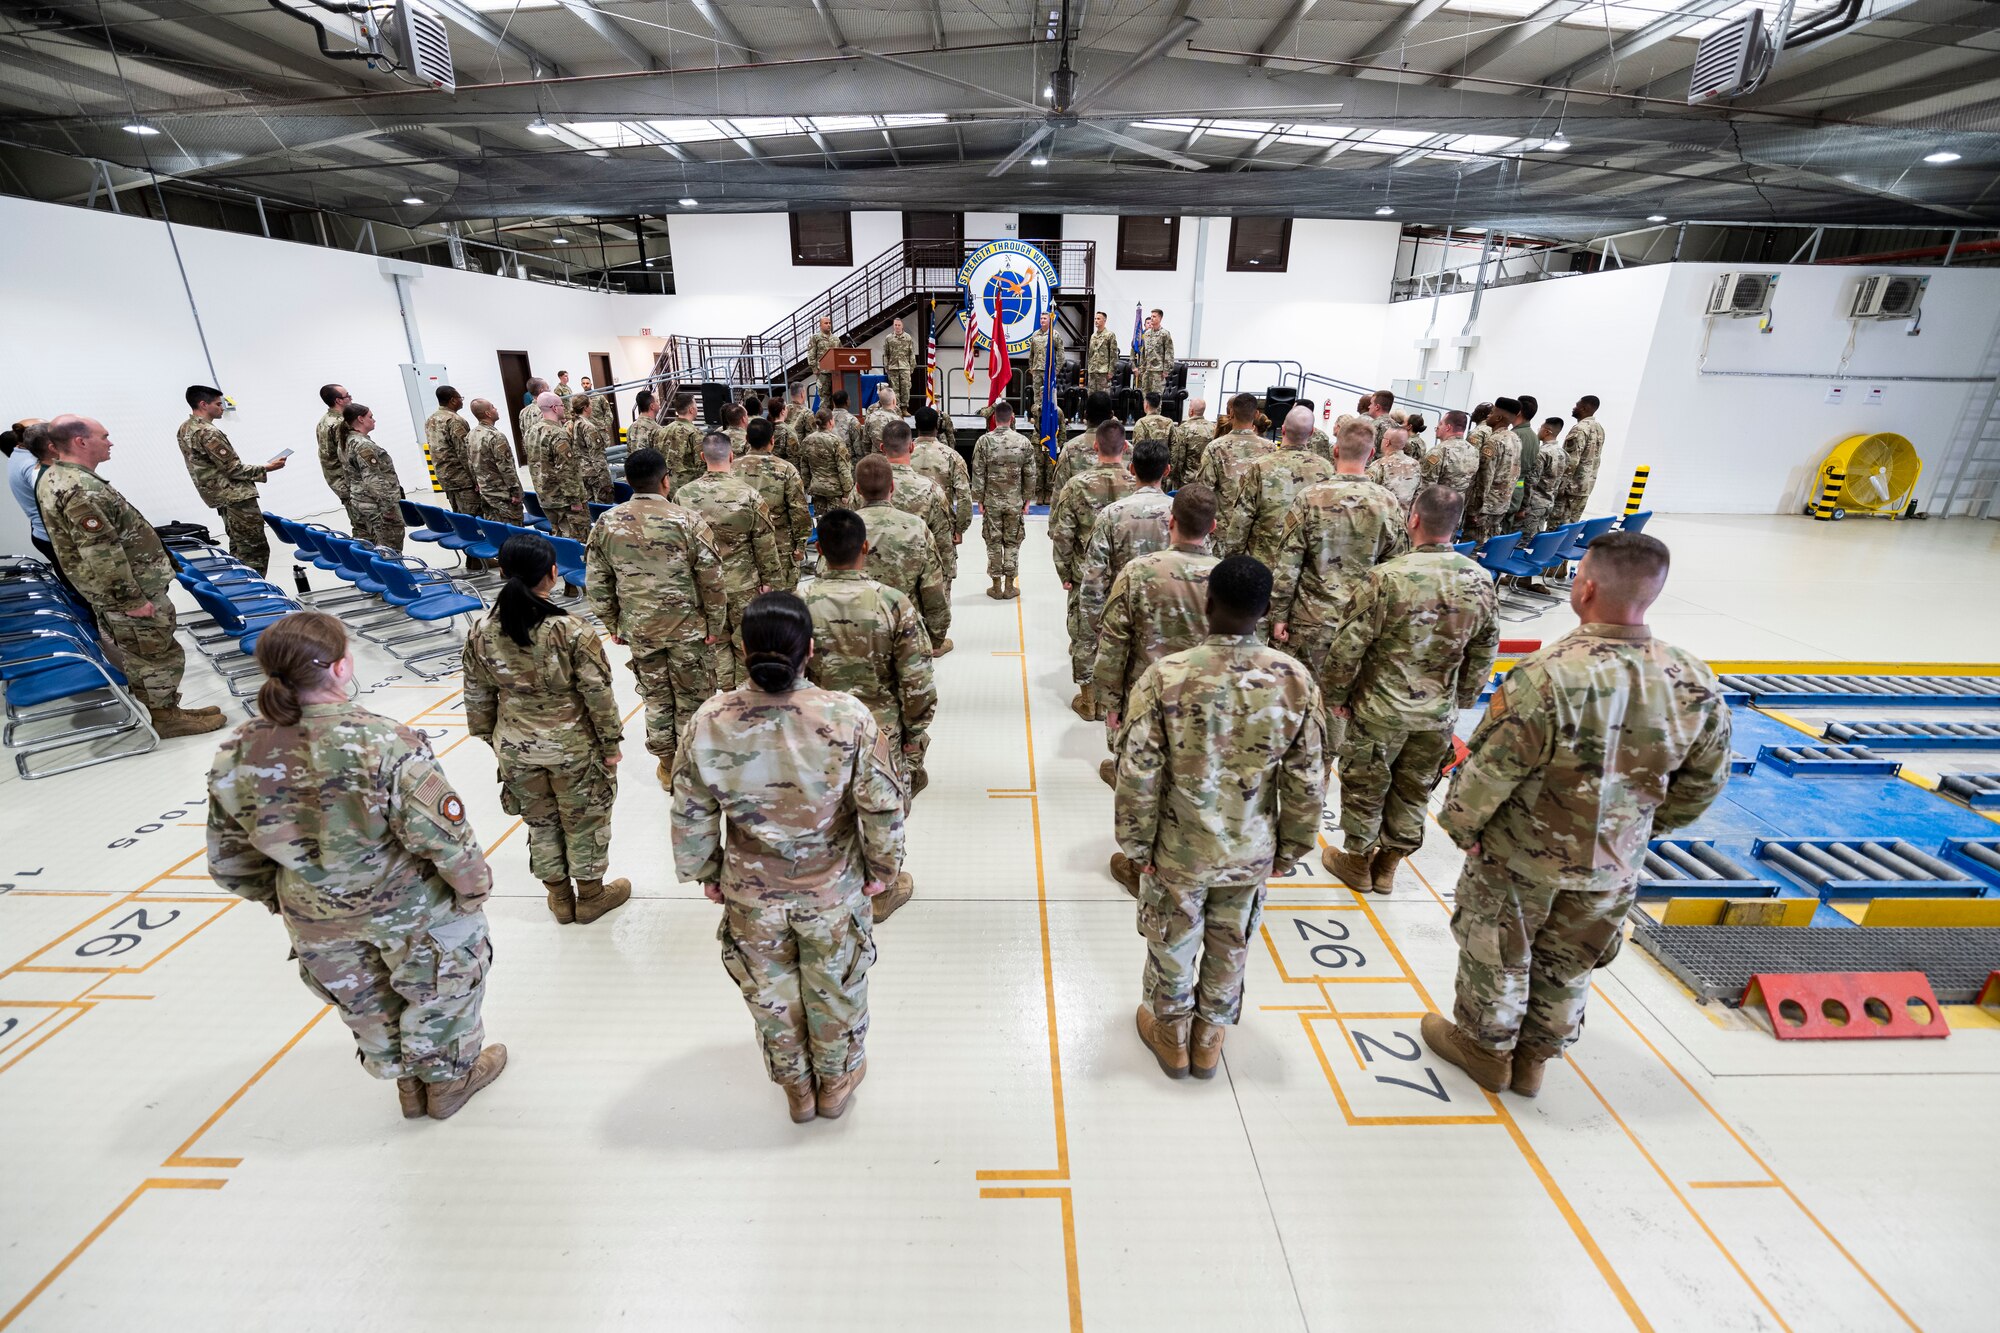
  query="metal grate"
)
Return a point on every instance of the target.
[
  {"x": 1917, "y": 735},
  {"x": 1973, "y": 691},
  {"x": 1861, "y": 868},
  {"x": 1717, "y": 962}
]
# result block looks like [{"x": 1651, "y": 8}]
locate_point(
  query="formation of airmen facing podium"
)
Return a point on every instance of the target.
[{"x": 1246, "y": 616}]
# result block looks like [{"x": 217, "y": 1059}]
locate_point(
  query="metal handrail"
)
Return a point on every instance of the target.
[
  {"x": 1359, "y": 389},
  {"x": 1295, "y": 376}
]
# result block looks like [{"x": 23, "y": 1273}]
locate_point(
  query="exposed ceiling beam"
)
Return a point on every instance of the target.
[
  {"x": 830, "y": 25},
  {"x": 1421, "y": 151},
  {"x": 1182, "y": 29},
  {"x": 1632, "y": 43},
  {"x": 1256, "y": 149},
  {"x": 894, "y": 156},
  {"x": 498, "y": 38},
  {"x": 1281, "y": 31},
  {"x": 604, "y": 26},
  {"x": 1392, "y": 33},
  {"x": 936, "y": 15},
  {"x": 1976, "y": 80},
  {"x": 725, "y": 31},
  {"x": 1511, "y": 38},
  {"x": 1867, "y": 62}
]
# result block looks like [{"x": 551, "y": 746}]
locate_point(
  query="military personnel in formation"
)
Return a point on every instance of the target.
[
  {"x": 869, "y": 640},
  {"x": 902, "y": 550},
  {"x": 446, "y": 436},
  {"x": 1455, "y": 461},
  {"x": 1415, "y": 445},
  {"x": 745, "y": 539},
  {"x": 495, "y": 478},
  {"x": 1153, "y": 425},
  {"x": 1274, "y": 481},
  {"x": 1363, "y": 411},
  {"x": 562, "y": 388},
  {"x": 1072, "y": 523},
  {"x": 788, "y": 812},
  {"x": 899, "y": 357},
  {"x": 680, "y": 440},
  {"x": 917, "y": 494},
  {"x": 1046, "y": 350},
  {"x": 538, "y": 690},
  {"x": 1541, "y": 488},
  {"x": 1158, "y": 604},
  {"x": 225, "y": 482},
  {"x": 735, "y": 418},
  {"x": 798, "y": 416},
  {"x": 592, "y": 451},
  {"x": 888, "y": 407},
  {"x": 817, "y": 347},
  {"x": 1417, "y": 645},
  {"x": 1224, "y": 466},
  {"x": 825, "y": 470},
  {"x": 1380, "y": 405},
  {"x": 1156, "y": 355},
  {"x": 372, "y": 483},
  {"x": 1079, "y": 452},
  {"x": 1492, "y": 493},
  {"x": 1125, "y": 530},
  {"x": 559, "y": 476},
  {"x": 115, "y": 559},
  {"x": 1530, "y": 460},
  {"x": 1221, "y": 776},
  {"x": 1100, "y": 360},
  {"x": 1336, "y": 531},
  {"x": 1189, "y": 441},
  {"x": 933, "y": 455},
  {"x": 604, "y": 412},
  {"x": 1602, "y": 740},
  {"x": 645, "y": 430},
  {"x": 1394, "y": 470},
  {"x": 784, "y": 444},
  {"x": 326, "y": 437},
  {"x": 1003, "y": 479},
  {"x": 341, "y": 823},
  {"x": 655, "y": 582},
  {"x": 531, "y": 411},
  {"x": 778, "y": 484},
  {"x": 847, "y": 425},
  {"x": 1583, "y": 447}
]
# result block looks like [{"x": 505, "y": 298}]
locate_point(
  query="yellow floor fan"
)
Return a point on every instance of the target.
[{"x": 1867, "y": 474}]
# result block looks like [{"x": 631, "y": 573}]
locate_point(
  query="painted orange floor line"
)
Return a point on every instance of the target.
[
  {"x": 176, "y": 1158},
  {"x": 99, "y": 1230},
  {"x": 1069, "y": 1240}
]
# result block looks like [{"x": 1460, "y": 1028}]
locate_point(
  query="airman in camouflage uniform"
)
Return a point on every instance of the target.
[
  {"x": 784, "y": 444},
  {"x": 787, "y": 810},
  {"x": 899, "y": 356},
  {"x": 1100, "y": 359},
  {"x": 1492, "y": 489},
  {"x": 1189, "y": 441},
  {"x": 496, "y": 479},
  {"x": 746, "y": 542},
  {"x": 818, "y": 346},
  {"x": 1071, "y": 525},
  {"x": 373, "y": 487},
  {"x": 1224, "y": 466},
  {"x": 1416, "y": 646},
  {"x": 680, "y": 441},
  {"x": 1584, "y": 448},
  {"x": 777, "y": 483},
  {"x": 559, "y": 474},
  {"x": 1156, "y": 356},
  {"x": 604, "y": 413},
  {"x": 825, "y": 469},
  {"x": 1455, "y": 462},
  {"x": 917, "y": 494},
  {"x": 902, "y": 551},
  {"x": 1395, "y": 471},
  {"x": 344, "y": 826},
  {"x": 1589, "y": 747},
  {"x": 548, "y": 711},
  {"x": 1335, "y": 532},
  {"x": 1126, "y": 529},
  {"x": 225, "y": 482},
  {"x": 1270, "y": 485},
  {"x": 945, "y": 467},
  {"x": 1078, "y": 456},
  {"x": 848, "y": 426},
  {"x": 326, "y": 438},
  {"x": 592, "y": 455},
  {"x": 1153, "y": 425},
  {"x": 1038, "y": 353},
  {"x": 1551, "y": 465},
  {"x": 531, "y": 411},
  {"x": 1003, "y": 477},
  {"x": 645, "y": 430},
  {"x": 797, "y": 415},
  {"x": 1221, "y": 776},
  {"x": 446, "y": 436}
]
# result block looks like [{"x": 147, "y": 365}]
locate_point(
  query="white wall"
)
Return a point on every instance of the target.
[{"x": 733, "y": 272}]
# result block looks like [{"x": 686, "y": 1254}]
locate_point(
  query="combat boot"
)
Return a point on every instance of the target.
[
  {"x": 943, "y": 647},
  {"x": 800, "y": 1100},
  {"x": 1383, "y": 873},
  {"x": 595, "y": 897},
  {"x": 1527, "y": 1080},
  {"x": 1167, "y": 1039},
  {"x": 562, "y": 901},
  {"x": 1488, "y": 1070},
  {"x": 410, "y": 1092},
  {"x": 893, "y": 897},
  {"x": 1205, "y": 1051},
  {"x": 572, "y": 590},
  {"x": 998, "y": 592},
  {"x": 171, "y": 722},
  {"x": 1125, "y": 872},
  {"x": 1080, "y": 705},
  {"x": 834, "y": 1092},
  {"x": 206, "y": 710},
  {"x": 1108, "y": 770},
  {"x": 1013, "y": 586},
  {"x": 1350, "y": 868},
  {"x": 666, "y": 776},
  {"x": 443, "y": 1100}
]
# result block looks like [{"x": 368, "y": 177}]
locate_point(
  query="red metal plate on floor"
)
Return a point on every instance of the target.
[
  {"x": 1832, "y": 1006},
  {"x": 1517, "y": 647}
]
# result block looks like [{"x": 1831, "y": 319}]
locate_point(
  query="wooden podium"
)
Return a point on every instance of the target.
[{"x": 847, "y": 365}]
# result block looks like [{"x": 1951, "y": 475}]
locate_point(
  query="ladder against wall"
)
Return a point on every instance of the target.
[{"x": 1969, "y": 482}]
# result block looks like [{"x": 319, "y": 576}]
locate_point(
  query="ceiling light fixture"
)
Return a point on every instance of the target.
[
  {"x": 1384, "y": 211},
  {"x": 688, "y": 201},
  {"x": 540, "y": 125},
  {"x": 562, "y": 240},
  {"x": 411, "y": 199},
  {"x": 1940, "y": 157},
  {"x": 1656, "y": 217},
  {"x": 142, "y": 128},
  {"x": 1041, "y": 157},
  {"x": 1558, "y": 142}
]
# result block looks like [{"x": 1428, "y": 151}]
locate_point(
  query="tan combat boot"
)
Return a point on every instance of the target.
[
  {"x": 572, "y": 590},
  {"x": 1488, "y": 1070},
  {"x": 562, "y": 901},
  {"x": 998, "y": 592},
  {"x": 206, "y": 710},
  {"x": 666, "y": 773},
  {"x": 1382, "y": 874},
  {"x": 943, "y": 646},
  {"x": 1349, "y": 868},
  {"x": 1527, "y": 1079},
  {"x": 1013, "y": 586},
  {"x": 410, "y": 1092},
  {"x": 1205, "y": 1051},
  {"x": 886, "y": 902},
  {"x": 1167, "y": 1039},
  {"x": 1108, "y": 770},
  {"x": 443, "y": 1100},
  {"x": 834, "y": 1092},
  {"x": 171, "y": 722},
  {"x": 1080, "y": 705},
  {"x": 1125, "y": 872},
  {"x": 595, "y": 897},
  {"x": 800, "y": 1100}
]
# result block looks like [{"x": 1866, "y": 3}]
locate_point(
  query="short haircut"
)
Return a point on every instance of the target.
[
  {"x": 1511, "y": 406},
  {"x": 1240, "y": 586},
  {"x": 1150, "y": 459},
  {"x": 1098, "y": 406},
  {"x": 537, "y": 385},
  {"x": 735, "y": 414},
  {"x": 1161, "y": 313},
  {"x": 927, "y": 420},
  {"x": 1557, "y": 422},
  {"x": 1438, "y": 509},
  {"x": 445, "y": 394},
  {"x": 1589, "y": 400},
  {"x": 1633, "y": 565},
  {"x": 896, "y": 438},
  {"x": 717, "y": 448},
  {"x": 873, "y": 478},
  {"x": 484, "y": 410},
  {"x": 1529, "y": 406},
  {"x": 1110, "y": 437},
  {"x": 759, "y": 432},
  {"x": 1194, "y": 511},
  {"x": 681, "y": 402},
  {"x": 1395, "y": 439},
  {"x": 644, "y": 401},
  {"x": 1456, "y": 420},
  {"x": 1003, "y": 410},
  {"x": 61, "y": 434},
  {"x": 753, "y": 405},
  {"x": 329, "y": 394},
  {"x": 841, "y": 532},
  {"x": 644, "y": 467},
  {"x": 1357, "y": 430},
  {"x": 1152, "y": 401},
  {"x": 1243, "y": 408},
  {"x": 1383, "y": 399},
  {"x": 199, "y": 395},
  {"x": 1480, "y": 412},
  {"x": 840, "y": 398}
]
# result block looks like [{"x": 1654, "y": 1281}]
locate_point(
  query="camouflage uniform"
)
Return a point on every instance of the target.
[
  {"x": 1224, "y": 465},
  {"x": 1125, "y": 530},
  {"x": 899, "y": 357},
  {"x": 1454, "y": 463},
  {"x": 680, "y": 442},
  {"x": 559, "y": 479},
  {"x": 1100, "y": 361},
  {"x": 345, "y": 826},
  {"x": 1071, "y": 524},
  {"x": 588, "y": 438},
  {"x": 1335, "y": 532},
  {"x": 1492, "y": 487},
  {"x": 1527, "y": 465},
  {"x": 1221, "y": 775},
  {"x": 496, "y": 480},
  {"x": 115, "y": 559},
  {"x": 526, "y": 419},
  {"x": 789, "y": 802},
  {"x": 1003, "y": 477},
  {"x": 1038, "y": 349},
  {"x": 655, "y": 581},
  {"x": 1186, "y": 445},
  {"x": 784, "y": 444},
  {"x": 869, "y": 641},
  {"x": 549, "y": 714},
  {"x": 1156, "y": 359},
  {"x": 643, "y": 433},
  {"x": 375, "y": 490},
  {"x": 227, "y": 485},
  {"x": 748, "y": 547},
  {"x": 1584, "y": 448},
  {"x": 903, "y": 554},
  {"x": 818, "y": 346},
  {"x": 1265, "y": 496},
  {"x": 1417, "y": 644},
  {"x": 799, "y": 420},
  {"x": 777, "y": 484},
  {"x": 825, "y": 470},
  {"x": 1152, "y": 426},
  {"x": 333, "y": 466},
  {"x": 1158, "y": 605},
  {"x": 739, "y": 441},
  {"x": 945, "y": 469},
  {"x": 446, "y": 436},
  {"x": 1542, "y": 488},
  {"x": 1321, "y": 443},
  {"x": 1078, "y": 456},
  {"x": 604, "y": 413},
  {"x": 1398, "y": 474},
  {"x": 917, "y": 494},
  {"x": 1590, "y": 747},
  {"x": 848, "y": 427}
]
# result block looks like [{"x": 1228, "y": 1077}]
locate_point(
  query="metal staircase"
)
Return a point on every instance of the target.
[{"x": 1973, "y": 486}]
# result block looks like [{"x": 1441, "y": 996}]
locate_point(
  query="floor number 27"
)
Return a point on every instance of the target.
[{"x": 1370, "y": 1047}]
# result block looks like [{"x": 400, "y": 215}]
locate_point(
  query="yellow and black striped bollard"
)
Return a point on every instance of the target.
[
  {"x": 1827, "y": 507},
  {"x": 1638, "y": 491}
]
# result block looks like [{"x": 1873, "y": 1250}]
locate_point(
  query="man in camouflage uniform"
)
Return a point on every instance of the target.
[
  {"x": 531, "y": 412},
  {"x": 604, "y": 412},
  {"x": 1100, "y": 360},
  {"x": 869, "y": 640},
  {"x": 899, "y": 355},
  {"x": 645, "y": 430},
  {"x": 888, "y": 407},
  {"x": 1156, "y": 355},
  {"x": 1395, "y": 471},
  {"x": 1039, "y": 355},
  {"x": 1335, "y": 532},
  {"x": 1188, "y": 441},
  {"x": 1499, "y": 468},
  {"x": 937, "y": 460},
  {"x": 1379, "y": 407},
  {"x": 592, "y": 451},
  {"x": 1003, "y": 477},
  {"x": 680, "y": 441},
  {"x": 1153, "y": 425},
  {"x": 797, "y": 415},
  {"x": 1530, "y": 462},
  {"x": 1417, "y": 645},
  {"x": 825, "y": 470},
  {"x": 1590, "y": 747},
  {"x": 745, "y": 540},
  {"x": 1274, "y": 481},
  {"x": 373, "y": 485},
  {"x": 1584, "y": 448},
  {"x": 1224, "y": 466},
  {"x": 655, "y": 581},
  {"x": 115, "y": 559},
  {"x": 559, "y": 475},
  {"x": 919, "y": 495},
  {"x": 1072, "y": 523},
  {"x": 225, "y": 482},
  {"x": 735, "y": 420},
  {"x": 326, "y": 436},
  {"x": 817, "y": 347},
  {"x": 847, "y": 425},
  {"x": 902, "y": 552},
  {"x": 777, "y": 483},
  {"x": 495, "y": 477},
  {"x": 1542, "y": 486},
  {"x": 562, "y": 387},
  {"x": 445, "y": 436},
  {"x": 1158, "y": 604},
  {"x": 1125, "y": 530},
  {"x": 1221, "y": 776},
  {"x": 1079, "y": 452},
  {"x": 1455, "y": 461}
]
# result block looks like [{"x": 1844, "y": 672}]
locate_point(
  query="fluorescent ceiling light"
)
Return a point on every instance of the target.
[
  {"x": 140, "y": 127},
  {"x": 1656, "y": 217},
  {"x": 540, "y": 125},
  {"x": 1941, "y": 156},
  {"x": 1040, "y": 159},
  {"x": 411, "y": 199},
  {"x": 1619, "y": 15},
  {"x": 562, "y": 240},
  {"x": 1384, "y": 211},
  {"x": 688, "y": 201}
]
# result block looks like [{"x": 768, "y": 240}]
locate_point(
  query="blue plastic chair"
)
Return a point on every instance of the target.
[
  {"x": 1637, "y": 522},
  {"x": 1530, "y": 562},
  {"x": 419, "y": 523},
  {"x": 472, "y": 540},
  {"x": 532, "y": 503},
  {"x": 1497, "y": 549},
  {"x": 1587, "y": 532},
  {"x": 569, "y": 559},
  {"x": 1465, "y": 548}
]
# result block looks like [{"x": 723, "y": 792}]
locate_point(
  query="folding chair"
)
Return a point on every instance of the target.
[
  {"x": 1637, "y": 522},
  {"x": 433, "y": 604}
]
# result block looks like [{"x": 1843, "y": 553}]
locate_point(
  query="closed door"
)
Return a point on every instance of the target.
[
  {"x": 600, "y": 375},
  {"x": 514, "y": 377}
]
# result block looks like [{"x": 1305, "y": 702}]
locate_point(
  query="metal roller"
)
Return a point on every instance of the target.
[
  {"x": 1679, "y": 857},
  {"x": 1890, "y": 685},
  {"x": 1825, "y": 860},
  {"x": 1924, "y": 859},
  {"x": 1904, "y": 869},
  {"x": 1788, "y": 754},
  {"x": 1716, "y": 861},
  {"x": 1869, "y": 867},
  {"x": 1658, "y": 869},
  {"x": 1783, "y": 858},
  {"x": 1980, "y": 852}
]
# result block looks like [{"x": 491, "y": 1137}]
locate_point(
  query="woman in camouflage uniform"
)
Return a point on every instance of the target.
[
  {"x": 373, "y": 489},
  {"x": 538, "y": 690}
]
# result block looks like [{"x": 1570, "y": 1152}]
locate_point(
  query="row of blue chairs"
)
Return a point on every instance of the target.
[
  {"x": 67, "y": 706},
  {"x": 1503, "y": 553},
  {"x": 237, "y": 603},
  {"x": 481, "y": 538},
  {"x": 401, "y": 605}
]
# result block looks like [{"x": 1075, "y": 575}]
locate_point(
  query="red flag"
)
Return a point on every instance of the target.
[{"x": 999, "y": 369}]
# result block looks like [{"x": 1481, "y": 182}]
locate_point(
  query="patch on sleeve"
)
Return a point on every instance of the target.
[
  {"x": 1497, "y": 705},
  {"x": 436, "y": 793},
  {"x": 92, "y": 523},
  {"x": 452, "y": 808}
]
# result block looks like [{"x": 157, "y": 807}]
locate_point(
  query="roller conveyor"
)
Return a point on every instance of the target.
[
  {"x": 1981, "y": 791},
  {"x": 1781, "y": 690},
  {"x": 1980, "y": 856},
  {"x": 1878, "y": 735},
  {"x": 1828, "y": 761},
  {"x": 1869, "y": 867},
  {"x": 1693, "y": 868}
]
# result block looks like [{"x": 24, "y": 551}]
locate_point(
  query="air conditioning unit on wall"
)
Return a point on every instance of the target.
[
  {"x": 1741, "y": 295},
  {"x": 1888, "y": 296}
]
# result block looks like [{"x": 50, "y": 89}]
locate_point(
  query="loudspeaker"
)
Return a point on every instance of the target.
[
  {"x": 714, "y": 397},
  {"x": 1278, "y": 400}
]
